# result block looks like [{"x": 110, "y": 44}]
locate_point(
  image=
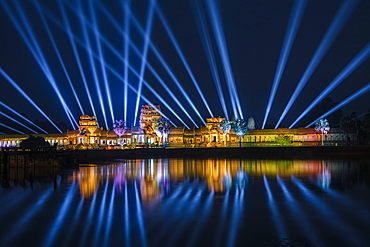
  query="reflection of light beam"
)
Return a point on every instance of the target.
[
  {"x": 61, "y": 216},
  {"x": 140, "y": 217},
  {"x": 236, "y": 213},
  {"x": 66, "y": 26},
  {"x": 327, "y": 212},
  {"x": 201, "y": 220},
  {"x": 222, "y": 221},
  {"x": 92, "y": 63},
  {"x": 294, "y": 208},
  {"x": 152, "y": 70},
  {"x": 75, "y": 221},
  {"x": 213, "y": 11},
  {"x": 89, "y": 220},
  {"x": 109, "y": 222},
  {"x": 354, "y": 96},
  {"x": 336, "y": 25},
  {"x": 59, "y": 56},
  {"x": 127, "y": 219},
  {"x": 177, "y": 47},
  {"x": 273, "y": 207},
  {"x": 357, "y": 61},
  {"x": 101, "y": 59},
  {"x": 101, "y": 215},
  {"x": 26, "y": 218},
  {"x": 16, "y": 121},
  {"x": 293, "y": 24},
  {"x": 185, "y": 215},
  {"x": 149, "y": 22},
  {"x": 207, "y": 45}
]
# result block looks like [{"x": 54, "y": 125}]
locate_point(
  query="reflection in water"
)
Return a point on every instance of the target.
[
  {"x": 190, "y": 202},
  {"x": 154, "y": 175}
]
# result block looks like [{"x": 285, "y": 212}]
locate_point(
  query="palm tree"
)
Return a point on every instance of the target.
[
  {"x": 322, "y": 125},
  {"x": 162, "y": 127},
  {"x": 240, "y": 127},
  {"x": 225, "y": 127}
]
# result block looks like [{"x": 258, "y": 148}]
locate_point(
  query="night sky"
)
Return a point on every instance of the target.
[{"x": 254, "y": 33}]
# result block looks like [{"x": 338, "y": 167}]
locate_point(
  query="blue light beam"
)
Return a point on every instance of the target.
[
  {"x": 68, "y": 30},
  {"x": 215, "y": 19},
  {"x": 126, "y": 53},
  {"x": 59, "y": 56},
  {"x": 178, "y": 49},
  {"x": 92, "y": 63},
  {"x": 101, "y": 60},
  {"x": 8, "y": 127},
  {"x": 149, "y": 22},
  {"x": 198, "y": 10},
  {"x": 36, "y": 51},
  {"x": 357, "y": 61},
  {"x": 16, "y": 121},
  {"x": 341, "y": 17},
  {"x": 2, "y": 72},
  {"x": 24, "y": 118},
  {"x": 354, "y": 96},
  {"x": 107, "y": 43},
  {"x": 293, "y": 24}
]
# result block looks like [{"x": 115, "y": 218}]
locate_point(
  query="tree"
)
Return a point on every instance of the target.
[
  {"x": 34, "y": 142},
  {"x": 119, "y": 127},
  {"x": 162, "y": 127},
  {"x": 251, "y": 123},
  {"x": 322, "y": 125},
  {"x": 366, "y": 125},
  {"x": 346, "y": 126},
  {"x": 325, "y": 105},
  {"x": 240, "y": 127},
  {"x": 225, "y": 127}
]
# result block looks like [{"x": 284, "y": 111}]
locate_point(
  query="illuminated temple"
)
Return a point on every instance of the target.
[{"x": 90, "y": 136}]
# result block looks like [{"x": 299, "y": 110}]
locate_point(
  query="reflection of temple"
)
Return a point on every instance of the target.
[
  {"x": 153, "y": 176},
  {"x": 89, "y": 135}
]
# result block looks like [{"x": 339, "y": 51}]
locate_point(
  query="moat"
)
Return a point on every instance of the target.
[{"x": 188, "y": 202}]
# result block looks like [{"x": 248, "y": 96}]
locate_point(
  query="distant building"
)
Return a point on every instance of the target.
[{"x": 90, "y": 135}]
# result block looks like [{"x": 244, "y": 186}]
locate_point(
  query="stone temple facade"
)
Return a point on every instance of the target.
[{"x": 90, "y": 136}]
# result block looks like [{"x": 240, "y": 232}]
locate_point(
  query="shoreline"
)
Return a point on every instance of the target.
[{"x": 341, "y": 152}]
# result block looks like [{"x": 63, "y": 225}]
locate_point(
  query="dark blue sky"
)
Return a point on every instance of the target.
[{"x": 254, "y": 33}]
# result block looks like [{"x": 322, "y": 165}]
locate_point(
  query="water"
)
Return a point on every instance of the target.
[{"x": 188, "y": 202}]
